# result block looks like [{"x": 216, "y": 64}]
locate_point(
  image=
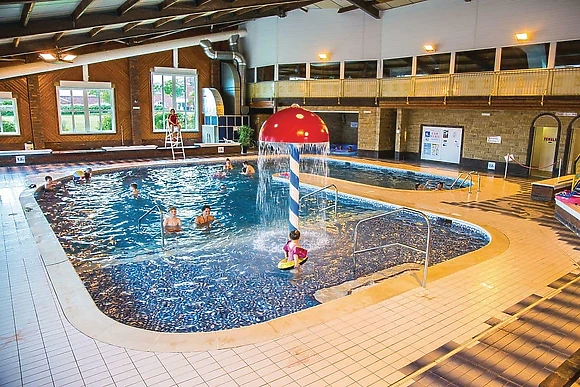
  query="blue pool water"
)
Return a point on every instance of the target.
[
  {"x": 386, "y": 177},
  {"x": 225, "y": 277}
]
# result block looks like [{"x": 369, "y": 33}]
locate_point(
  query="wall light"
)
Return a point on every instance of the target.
[
  {"x": 522, "y": 37},
  {"x": 323, "y": 56},
  {"x": 429, "y": 48}
]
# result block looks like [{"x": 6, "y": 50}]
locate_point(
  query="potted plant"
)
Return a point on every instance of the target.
[{"x": 245, "y": 137}]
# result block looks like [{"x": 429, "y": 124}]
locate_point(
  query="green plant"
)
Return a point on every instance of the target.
[{"x": 245, "y": 135}]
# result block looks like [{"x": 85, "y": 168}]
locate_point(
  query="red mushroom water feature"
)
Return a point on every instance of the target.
[{"x": 296, "y": 127}]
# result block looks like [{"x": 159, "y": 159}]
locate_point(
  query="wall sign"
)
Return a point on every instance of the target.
[
  {"x": 494, "y": 139},
  {"x": 439, "y": 143}
]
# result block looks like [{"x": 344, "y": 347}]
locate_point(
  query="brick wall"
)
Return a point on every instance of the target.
[{"x": 512, "y": 126}]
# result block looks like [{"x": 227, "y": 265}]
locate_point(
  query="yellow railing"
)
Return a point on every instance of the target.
[{"x": 541, "y": 82}]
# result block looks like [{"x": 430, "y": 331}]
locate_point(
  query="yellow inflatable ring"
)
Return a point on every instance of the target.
[{"x": 284, "y": 264}]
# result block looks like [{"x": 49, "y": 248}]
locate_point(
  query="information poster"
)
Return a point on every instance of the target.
[{"x": 440, "y": 143}]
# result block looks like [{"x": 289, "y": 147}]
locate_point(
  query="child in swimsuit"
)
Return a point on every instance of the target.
[{"x": 293, "y": 250}]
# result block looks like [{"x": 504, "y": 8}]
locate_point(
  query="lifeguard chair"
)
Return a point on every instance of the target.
[{"x": 174, "y": 140}]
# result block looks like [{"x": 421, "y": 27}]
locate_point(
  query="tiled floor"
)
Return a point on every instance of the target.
[{"x": 378, "y": 345}]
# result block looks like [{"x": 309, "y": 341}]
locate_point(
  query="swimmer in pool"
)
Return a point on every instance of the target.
[
  {"x": 228, "y": 166},
  {"x": 134, "y": 190},
  {"x": 205, "y": 219},
  {"x": 247, "y": 169},
  {"x": 292, "y": 249},
  {"x": 172, "y": 223},
  {"x": 49, "y": 185}
]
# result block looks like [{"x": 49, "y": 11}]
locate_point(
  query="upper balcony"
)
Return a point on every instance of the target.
[{"x": 517, "y": 83}]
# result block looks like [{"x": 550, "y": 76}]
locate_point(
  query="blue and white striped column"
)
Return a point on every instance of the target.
[{"x": 294, "y": 186}]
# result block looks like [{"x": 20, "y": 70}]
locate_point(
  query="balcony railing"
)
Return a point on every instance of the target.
[{"x": 542, "y": 82}]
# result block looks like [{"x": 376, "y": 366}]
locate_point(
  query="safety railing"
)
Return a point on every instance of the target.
[
  {"x": 156, "y": 206},
  {"x": 322, "y": 189},
  {"x": 427, "y": 250},
  {"x": 468, "y": 176},
  {"x": 534, "y": 82}
]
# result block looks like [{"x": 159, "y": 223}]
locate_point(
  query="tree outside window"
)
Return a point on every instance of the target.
[
  {"x": 86, "y": 110},
  {"x": 174, "y": 91},
  {"x": 8, "y": 116}
]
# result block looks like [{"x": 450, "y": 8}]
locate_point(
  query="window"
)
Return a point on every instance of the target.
[
  {"x": 175, "y": 89},
  {"x": 265, "y": 73},
  {"x": 400, "y": 67},
  {"x": 475, "y": 61},
  {"x": 251, "y": 75},
  {"x": 86, "y": 107},
  {"x": 531, "y": 56},
  {"x": 292, "y": 72},
  {"x": 8, "y": 115},
  {"x": 360, "y": 69},
  {"x": 433, "y": 64},
  {"x": 327, "y": 70},
  {"x": 568, "y": 54}
]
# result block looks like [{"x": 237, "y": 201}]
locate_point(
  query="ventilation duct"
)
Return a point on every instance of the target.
[
  {"x": 240, "y": 102},
  {"x": 43, "y": 67}
]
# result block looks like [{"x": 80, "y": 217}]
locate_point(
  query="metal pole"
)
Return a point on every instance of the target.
[
  {"x": 559, "y": 167},
  {"x": 294, "y": 186},
  {"x": 507, "y": 161}
]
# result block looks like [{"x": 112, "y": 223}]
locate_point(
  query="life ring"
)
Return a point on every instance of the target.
[{"x": 284, "y": 264}]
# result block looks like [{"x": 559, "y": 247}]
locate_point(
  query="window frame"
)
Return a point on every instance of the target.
[
  {"x": 8, "y": 97},
  {"x": 181, "y": 107},
  {"x": 85, "y": 88}
]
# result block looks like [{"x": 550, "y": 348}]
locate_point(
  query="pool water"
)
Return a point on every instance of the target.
[
  {"x": 227, "y": 276},
  {"x": 386, "y": 177}
]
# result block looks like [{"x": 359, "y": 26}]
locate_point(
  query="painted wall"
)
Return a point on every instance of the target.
[{"x": 403, "y": 31}]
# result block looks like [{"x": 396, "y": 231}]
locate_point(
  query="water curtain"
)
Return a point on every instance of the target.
[{"x": 293, "y": 131}]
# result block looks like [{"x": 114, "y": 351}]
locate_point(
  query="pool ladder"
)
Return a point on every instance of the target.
[
  {"x": 322, "y": 189},
  {"x": 156, "y": 206},
  {"x": 427, "y": 250},
  {"x": 468, "y": 176}
]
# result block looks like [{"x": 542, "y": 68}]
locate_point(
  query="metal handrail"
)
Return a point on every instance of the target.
[
  {"x": 468, "y": 175},
  {"x": 335, "y": 197},
  {"x": 156, "y": 206},
  {"x": 427, "y": 251}
]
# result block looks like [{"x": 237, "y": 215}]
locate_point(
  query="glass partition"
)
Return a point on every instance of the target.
[
  {"x": 265, "y": 73},
  {"x": 399, "y": 67},
  {"x": 530, "y": 56},
  {"x": 433, "y": 64},
  {"x": 475, "y": 61},
  {"x": 360, "y": 69},
  {"x": 327, "y": 70},
  {"x": 292, "y": 72},
  {"x": 567, "y": 54}
]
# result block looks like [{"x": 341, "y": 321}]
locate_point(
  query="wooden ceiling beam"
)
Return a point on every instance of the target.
[
  {"x": 80, "y": 9},
  {"x": 366, "y": 8},
  {"x": 139, "y": 14},
  {"x": 168, "y": 3},
  {"x": 95, "y": 31},
  {"x": 129, "y": 26},
  {"x": 162, "y": 21},
  {"x": 126, "y": 6},
  {"x": 26, "y": 12}
]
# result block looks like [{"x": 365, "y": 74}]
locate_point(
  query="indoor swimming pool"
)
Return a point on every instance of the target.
[
  {"x": 225, "y": 277},
  {"x": 387, "y": 177}
]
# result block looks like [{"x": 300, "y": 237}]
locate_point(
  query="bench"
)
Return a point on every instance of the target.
[{"x": 545, "y": 190}]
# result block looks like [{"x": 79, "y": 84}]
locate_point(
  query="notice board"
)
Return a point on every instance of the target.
[{"x": 440, "y": 143}]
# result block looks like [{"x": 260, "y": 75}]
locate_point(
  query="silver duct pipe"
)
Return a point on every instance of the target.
[
  {"x": 230, "y": 55},
  {"x": 233, "y": 41},
  {"x": 126, "y": 52}
]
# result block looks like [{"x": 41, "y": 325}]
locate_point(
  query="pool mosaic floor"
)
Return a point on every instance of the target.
[{"x": 511, "y": 319}]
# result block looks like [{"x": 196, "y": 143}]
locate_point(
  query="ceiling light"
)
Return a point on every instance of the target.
[
  {"x": 323, "y": 56},
  {"x": 57, "y": 57},
  {"x": 429, "y": 48},
  {"x": 47, "y": 56},
  {"x": 522, "y": 37}
]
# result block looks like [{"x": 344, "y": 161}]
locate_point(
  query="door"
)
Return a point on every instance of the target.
[{"x": 544, "y": 151}]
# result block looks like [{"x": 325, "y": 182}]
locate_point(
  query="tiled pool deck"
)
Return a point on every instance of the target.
[{"x": 368, "y": 339}]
